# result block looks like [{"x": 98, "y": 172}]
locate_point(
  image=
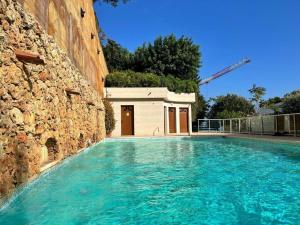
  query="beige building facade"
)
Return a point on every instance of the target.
[{"x": 150, "y": 111}]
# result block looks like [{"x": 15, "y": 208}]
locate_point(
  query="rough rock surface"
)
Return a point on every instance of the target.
[{"x": 42, "y": 106}]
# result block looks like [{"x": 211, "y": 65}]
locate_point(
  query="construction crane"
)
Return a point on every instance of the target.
[{"x": 225, "y": 70}]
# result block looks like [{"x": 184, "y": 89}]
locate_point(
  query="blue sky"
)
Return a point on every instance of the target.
[{"x": 266, "y": 31}]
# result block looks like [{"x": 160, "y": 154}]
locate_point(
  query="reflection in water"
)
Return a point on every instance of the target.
[{"x": 167, "y": 181}]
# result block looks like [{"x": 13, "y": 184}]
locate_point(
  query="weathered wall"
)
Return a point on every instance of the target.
[
  {"x": 43, "y": 107},
  {"x": 62, "y": 20}
]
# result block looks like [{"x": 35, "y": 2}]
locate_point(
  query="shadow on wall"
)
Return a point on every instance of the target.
[{"x": 52, "y": 149}]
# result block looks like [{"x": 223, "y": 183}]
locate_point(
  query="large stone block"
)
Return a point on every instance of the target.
[{"x": 16, "y": 116}]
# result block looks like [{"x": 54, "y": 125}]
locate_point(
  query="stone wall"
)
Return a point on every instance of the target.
[
  {"x": 48, "y": 110},
  {"x": 62, "y": 19}
]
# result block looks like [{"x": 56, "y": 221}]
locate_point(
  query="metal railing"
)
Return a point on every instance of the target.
[{"x": 283, "y": 124}]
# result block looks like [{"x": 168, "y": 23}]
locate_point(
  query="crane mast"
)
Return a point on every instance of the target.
[{"x": 225, "y": 71}]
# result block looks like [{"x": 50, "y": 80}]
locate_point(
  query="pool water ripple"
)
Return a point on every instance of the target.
[{"x": 167, "y": 181}]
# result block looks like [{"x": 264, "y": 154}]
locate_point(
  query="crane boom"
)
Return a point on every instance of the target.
[{"x": 225, "y": 70}]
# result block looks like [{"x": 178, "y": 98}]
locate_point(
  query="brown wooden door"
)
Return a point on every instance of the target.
[
  {"x": 184, "y": 121},
  {"x": 172, "y": 120},
  {"x": 127, "y": 120}
]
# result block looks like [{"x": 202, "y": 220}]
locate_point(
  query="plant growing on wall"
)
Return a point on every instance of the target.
[{"x": 110, "y": 121}]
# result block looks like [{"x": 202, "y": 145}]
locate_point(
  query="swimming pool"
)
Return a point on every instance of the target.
[{"x": 166, "y": 181}]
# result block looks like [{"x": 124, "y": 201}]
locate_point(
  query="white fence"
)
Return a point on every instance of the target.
[{"x": 284, "y": 124}]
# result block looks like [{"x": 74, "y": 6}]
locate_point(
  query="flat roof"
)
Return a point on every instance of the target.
[{"x": 159, "y": 93}]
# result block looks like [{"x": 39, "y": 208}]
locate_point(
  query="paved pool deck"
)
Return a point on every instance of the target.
[{"x": 287, "y": 139}]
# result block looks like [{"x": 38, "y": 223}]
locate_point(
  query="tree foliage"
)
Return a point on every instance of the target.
[
  {"x": 230, "y": 106},
  {"x": 169, "y": 55},
  {"x": 110, "y": 121},
  {"x": 136, "y": 79},
  {"x": 257, "y": 94},
  {"x": 199, "y": 108},
  {"x": 167, "y": 62},
  {"x": 117, "y": 58},
  {"x": 272, "y": 103},
  {"x": 291, "y": 102}
]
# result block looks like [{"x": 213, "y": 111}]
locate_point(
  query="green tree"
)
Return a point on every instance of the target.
[
  {"x": 291, "y": 102},
  {"x": 110, "y": 121},
  {"x": 257, "y": 95},
  {"x": 169, "y": 55},
  {"x": 272, "y": 103},
  {"x": 116, "y": 57},
  {"x": 168, "y": 62},
  {"x": 230, "y": 105},
  {"x": 199, "y": 108},
  {"x": 137, "y": 79}
]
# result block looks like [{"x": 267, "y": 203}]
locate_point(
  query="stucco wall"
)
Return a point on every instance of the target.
[
  {"x": 149, "y": 105},
  {"x": 45, "y": 106},
  {"x": 62, "y": 20},
  {"x": 148, "y": 117}
]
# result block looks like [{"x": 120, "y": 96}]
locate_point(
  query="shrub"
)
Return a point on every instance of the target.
[
  {"x": 110, "y": 121},
  {"x": 291, "y": 102},
  {"x": 230, "y": 105},
  {"x": 136, "y": 79}
]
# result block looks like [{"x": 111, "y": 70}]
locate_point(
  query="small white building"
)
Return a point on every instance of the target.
[{"x": 150, "y": 111}]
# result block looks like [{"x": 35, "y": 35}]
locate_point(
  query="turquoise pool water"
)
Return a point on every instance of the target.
[{"x": 166, "y": 181}]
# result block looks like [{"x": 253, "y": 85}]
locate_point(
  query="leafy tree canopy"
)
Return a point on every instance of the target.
[
  {"x": 200, "y": 107},
  {"x": 271, "y": 101},
  {"x": 117, "y": 58},
  {"x": 257, "y": 94},
  {"x": 291, "y": 102},
  {"x": 230, "y": 106},
  {"x": 110, "y": 121},
  {"x": 168, "y": 62},
  {"x": 230, "y": 114},
  {"x": 137, "y": 79},
  {"x": 169, "y": 55}
]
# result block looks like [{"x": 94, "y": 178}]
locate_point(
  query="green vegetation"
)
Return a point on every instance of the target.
[
  {"x": 166, "y": 56},
  {"x": 200, "y": 108},
  {"x": 175, "y": 63},
  {"x": 257, "y": 94},
  {"x": 272, "y": 103},
  {"x": 167, "y": 62},
  {"x": 136, "y": 79},
  {"x": 230, "y": 106},
  {"x": 109, "y": 117},
  {"x": 291, "y": 102},
  {"x": 169, "y": 55},
  {"x": 116, "y": 57}
]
